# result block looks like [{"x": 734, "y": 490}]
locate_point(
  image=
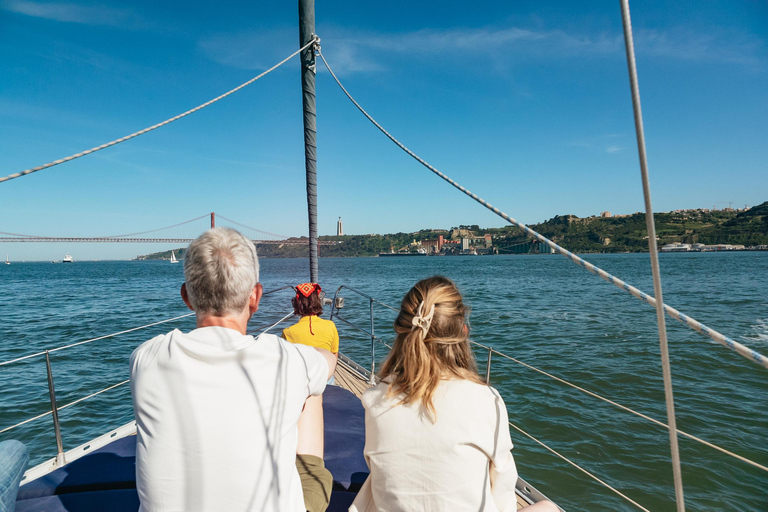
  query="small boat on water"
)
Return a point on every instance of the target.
[
  {"x": 388, "y": 254},
  {"x": 7, "y": 261},
  {"x": 173, "y": 258},
  {"x": 67, "y": 258}
]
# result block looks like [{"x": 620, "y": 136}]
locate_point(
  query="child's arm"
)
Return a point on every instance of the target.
[{"x": 330, "y": 358}]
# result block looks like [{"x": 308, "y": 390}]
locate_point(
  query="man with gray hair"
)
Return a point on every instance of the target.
[{"x": 216, "y": 409}]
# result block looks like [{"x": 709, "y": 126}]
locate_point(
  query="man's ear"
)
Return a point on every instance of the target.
[
  {"x": 185, "y": 296},
  {"x": 253, "y": 302}
]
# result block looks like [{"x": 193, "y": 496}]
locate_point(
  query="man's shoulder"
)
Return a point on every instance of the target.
[{"x": 147, "y": 350}]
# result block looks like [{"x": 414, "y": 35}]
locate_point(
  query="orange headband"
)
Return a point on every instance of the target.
[{"x": 307, "y": 289}]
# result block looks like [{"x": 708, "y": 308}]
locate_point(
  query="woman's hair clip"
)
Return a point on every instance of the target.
[{"x": 422, "y": 321}]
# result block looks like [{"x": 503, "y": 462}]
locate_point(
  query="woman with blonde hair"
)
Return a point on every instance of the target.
[{"x": 436, "y": 435}]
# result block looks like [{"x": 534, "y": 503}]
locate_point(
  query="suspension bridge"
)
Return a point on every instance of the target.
[{"x": 182, "y": 232}]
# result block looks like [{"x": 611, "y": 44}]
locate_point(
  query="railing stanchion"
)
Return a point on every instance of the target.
[
  {"x": 55, "y": 413},
  {"x": 488, "y": 367},
  {"x": 372, "y": 380}
]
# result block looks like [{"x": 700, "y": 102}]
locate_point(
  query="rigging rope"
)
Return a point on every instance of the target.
[
  {"x": 737, "y": 347},
  {"x": 158, "y": 125}
]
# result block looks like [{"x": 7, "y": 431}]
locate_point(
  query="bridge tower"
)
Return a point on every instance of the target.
[{"x": 213, "y": 220}]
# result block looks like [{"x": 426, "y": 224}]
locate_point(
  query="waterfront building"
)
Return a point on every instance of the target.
[
  {"x": 339, "y": 228},
  {"x": 433, "y": 245}
]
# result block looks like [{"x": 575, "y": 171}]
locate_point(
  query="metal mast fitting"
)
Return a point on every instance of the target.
[{"x": 306, "y": 35}]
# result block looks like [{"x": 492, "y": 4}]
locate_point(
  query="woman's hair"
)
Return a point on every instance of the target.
[
  {"x": 426, "y": 351},
  {"x": 307, "y": 306}
]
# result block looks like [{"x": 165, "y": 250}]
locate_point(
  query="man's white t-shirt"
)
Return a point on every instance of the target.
[{"x": 216, "y": 415}]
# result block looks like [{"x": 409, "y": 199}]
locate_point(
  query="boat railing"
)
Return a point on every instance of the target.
[
  {"x": 55, "y": 408},
  {"x": 338, "y": 303},
  {"x": 489, "y": 353}
]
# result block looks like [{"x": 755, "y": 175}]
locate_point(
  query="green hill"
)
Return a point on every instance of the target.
[
  {"x": 628, "y": 233},
  {"x": 625, "y": 233}
]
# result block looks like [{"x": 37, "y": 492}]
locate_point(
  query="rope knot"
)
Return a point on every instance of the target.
[{"x": 422, "y": 321}]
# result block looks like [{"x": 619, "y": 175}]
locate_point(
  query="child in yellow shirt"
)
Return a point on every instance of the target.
[{"x": 311, "y": 329}]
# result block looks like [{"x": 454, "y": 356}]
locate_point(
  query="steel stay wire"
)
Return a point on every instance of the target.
[
  {"x": 674, "y": 313},
  {"x": 269, "y": 292},
  {"x": 363, "y": 331},
  {"x": 94, "y": 339},
  {"x": 566, "y": 459},
  {"x": 65, "y": 406},
  {"x": 583, "y": 390},
  {"x": 529, "y": 435},
  {"x": 158, "y": 125},
  {"x": 624, "y": 408},
  {"x": 669, "y": 397}
]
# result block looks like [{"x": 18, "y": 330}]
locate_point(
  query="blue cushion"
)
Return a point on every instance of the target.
[
  {"x": 110, "y": 467},
  {"x": 344, "y": 438},
  {"x": 340, "y": 501},
  {"x": 125, "y": 500}
]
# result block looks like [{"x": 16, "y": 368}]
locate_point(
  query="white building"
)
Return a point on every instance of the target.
[{"x": 676, "y": 247}]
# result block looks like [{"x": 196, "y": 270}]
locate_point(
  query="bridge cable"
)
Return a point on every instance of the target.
[
  {"x": 737, "y": 347},
  {"x": 219, "y": 216},
  {"x": 158, "y": 229},
  {"x": 158, "y": 125},
  {"x": 110, "y": 236}
]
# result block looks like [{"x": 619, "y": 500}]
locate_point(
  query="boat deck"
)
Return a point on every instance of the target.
[{"x": 349, "y": 378}]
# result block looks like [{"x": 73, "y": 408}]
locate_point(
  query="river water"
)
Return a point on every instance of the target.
[{"x": 542, "y": 310}]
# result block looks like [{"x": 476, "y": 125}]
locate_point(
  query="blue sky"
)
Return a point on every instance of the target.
[{"x": 526, "y": 104}]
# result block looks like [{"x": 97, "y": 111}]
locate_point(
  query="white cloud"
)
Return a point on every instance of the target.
[
  {"x": 356, "y": 51},
  {"x": 613, "y": 149},
  {"x": 713, "y": 46},
  {"x": 250, "y": 50},
  {"x": 75, "y": 13}
]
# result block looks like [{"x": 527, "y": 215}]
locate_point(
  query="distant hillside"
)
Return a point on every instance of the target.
[
  {"x": 628, "y": 233},
  {"x": 591, "y": 234}
]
